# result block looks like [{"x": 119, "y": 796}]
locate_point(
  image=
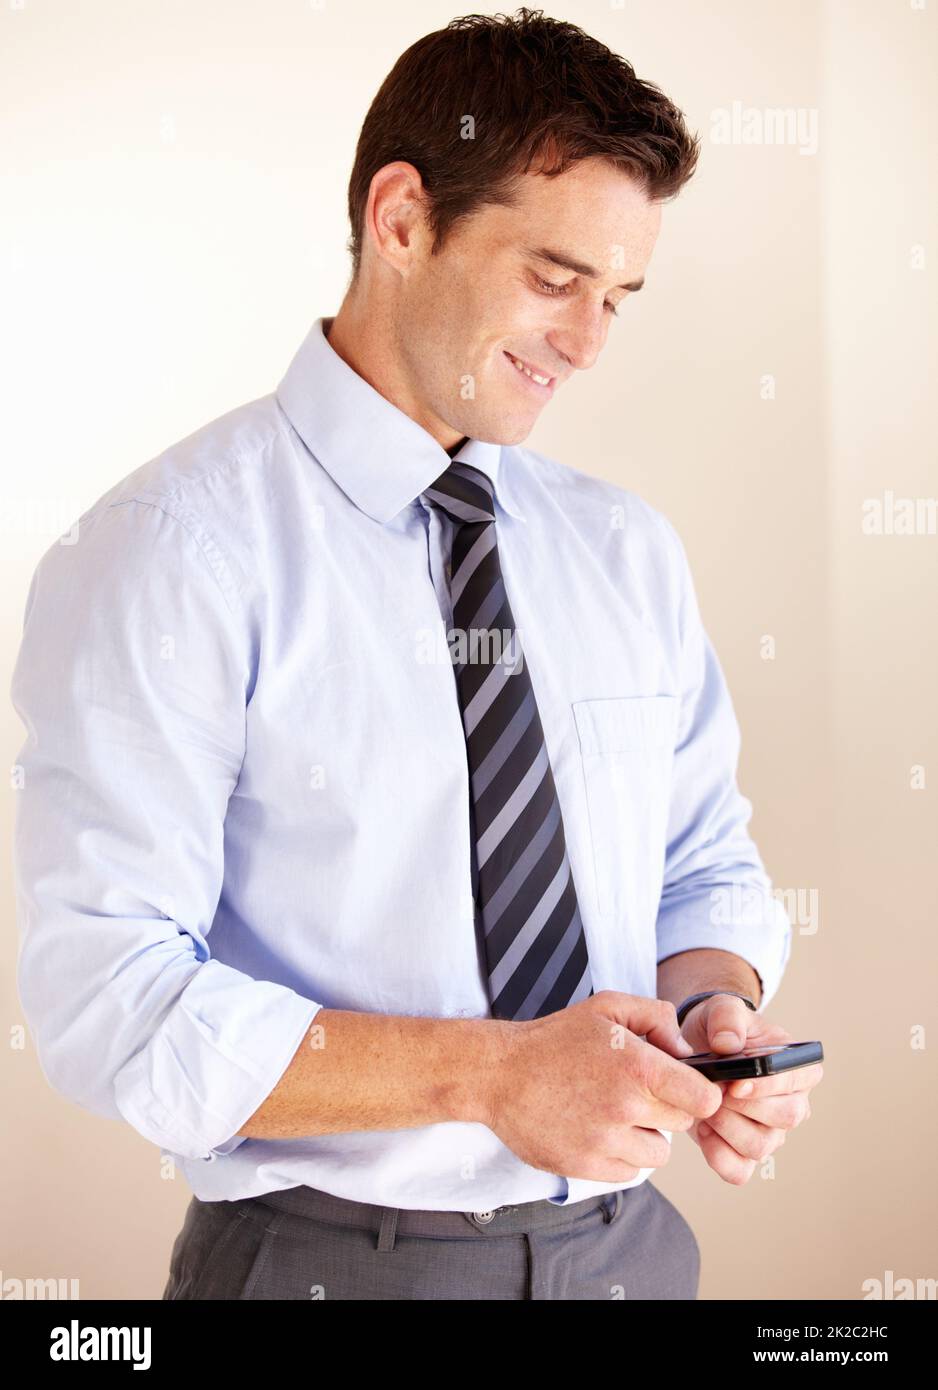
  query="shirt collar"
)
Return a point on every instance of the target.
[{"x": 380, "y": 458}]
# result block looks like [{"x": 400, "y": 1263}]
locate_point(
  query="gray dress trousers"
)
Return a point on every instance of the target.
[{"x": 300, "y": 1243}]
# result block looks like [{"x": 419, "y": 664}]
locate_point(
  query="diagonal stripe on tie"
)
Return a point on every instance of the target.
[
  {"x": 514, "y": 766},
  {"x": 534, "y": 943},
  {"x": 492, "y": 762}
]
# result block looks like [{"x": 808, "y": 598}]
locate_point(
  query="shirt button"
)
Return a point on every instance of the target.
[{"x": 483, "y": 1217}]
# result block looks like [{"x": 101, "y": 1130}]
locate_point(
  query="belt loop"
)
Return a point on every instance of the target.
[{"x": 388, "y": 1231}]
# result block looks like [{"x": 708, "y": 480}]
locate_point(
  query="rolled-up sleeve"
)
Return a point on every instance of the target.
[
  {"x": 716, "y": 892},
  {"x": 131, "y": 682}
]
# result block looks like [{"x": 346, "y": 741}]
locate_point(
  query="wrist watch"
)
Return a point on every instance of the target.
[{"x": 688, "y": 1004}]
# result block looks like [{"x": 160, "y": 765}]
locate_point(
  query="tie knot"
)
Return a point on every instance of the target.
[{"x": 464, "y": 492}]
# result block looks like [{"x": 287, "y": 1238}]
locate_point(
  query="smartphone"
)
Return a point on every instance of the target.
[{"x": 755, "y": 1061}]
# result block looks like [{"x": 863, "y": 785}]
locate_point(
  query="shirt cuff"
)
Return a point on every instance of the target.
[
  {"x": 216, "y": 1056},
  {"x": 758, "y": 931}
]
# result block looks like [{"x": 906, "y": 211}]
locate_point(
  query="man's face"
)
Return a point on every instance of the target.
[{"x": 488, "y": 300}]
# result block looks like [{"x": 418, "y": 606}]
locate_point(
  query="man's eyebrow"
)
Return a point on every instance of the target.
[{"x": 567, "y": 262}]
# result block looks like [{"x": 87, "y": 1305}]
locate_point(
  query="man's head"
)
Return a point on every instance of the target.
[{"x": 505, "y": 199}]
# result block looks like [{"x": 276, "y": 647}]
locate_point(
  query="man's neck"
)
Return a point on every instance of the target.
[{"x": 368, "y": 353}]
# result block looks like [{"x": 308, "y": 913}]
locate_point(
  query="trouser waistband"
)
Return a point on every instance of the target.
[{"x": 386, "y": 1222}]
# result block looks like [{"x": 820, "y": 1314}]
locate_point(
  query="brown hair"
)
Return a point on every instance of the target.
[{"x": 540, "y": 91}]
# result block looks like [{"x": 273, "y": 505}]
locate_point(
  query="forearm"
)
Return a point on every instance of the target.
[
  {"x": 360, "y": 1071},
  {"x": 693, "y": 972}
]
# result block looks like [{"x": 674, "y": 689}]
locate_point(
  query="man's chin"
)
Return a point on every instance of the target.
[{"x": 506, "y": 430}]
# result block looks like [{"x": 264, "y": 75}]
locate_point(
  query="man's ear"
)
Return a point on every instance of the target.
[{"x": 395, "y": 215}]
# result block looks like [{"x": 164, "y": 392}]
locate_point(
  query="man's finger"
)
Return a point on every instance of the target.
[
  {"x": 722, "y": 1158},
  {"x": 778, "y": 1112},
  {"x": 798, "y": 1079},
  {"x": 748, "y": 1138},
  {"x": 728, "y": 1023}
]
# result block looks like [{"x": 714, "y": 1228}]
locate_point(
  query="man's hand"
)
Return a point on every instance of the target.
[
  {"x": 584, "y": 1091},
  {"x": 755, "y": 1115}
]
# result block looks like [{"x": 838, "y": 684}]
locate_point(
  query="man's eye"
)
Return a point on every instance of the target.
[{"x": 548, "y": 287}]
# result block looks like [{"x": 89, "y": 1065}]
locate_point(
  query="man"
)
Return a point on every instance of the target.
[{"x": 379, "y": 802}]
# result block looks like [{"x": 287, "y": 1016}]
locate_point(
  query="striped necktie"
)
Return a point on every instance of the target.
[{"x": 535, "y": 948}]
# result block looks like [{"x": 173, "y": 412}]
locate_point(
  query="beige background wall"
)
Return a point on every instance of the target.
[{"x": 174, "y": 176}]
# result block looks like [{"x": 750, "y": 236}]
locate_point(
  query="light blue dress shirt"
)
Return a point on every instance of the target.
[{"x": 243, "y": 795}]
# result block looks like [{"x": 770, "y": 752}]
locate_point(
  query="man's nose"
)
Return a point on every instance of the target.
[{"x": 580, "y": 338}]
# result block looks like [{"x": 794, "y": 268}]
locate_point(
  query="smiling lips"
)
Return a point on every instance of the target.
[{"x": 542, "y": 379}]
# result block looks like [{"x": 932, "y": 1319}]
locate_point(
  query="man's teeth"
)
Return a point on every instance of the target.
[{"x": 541, "y": 380}]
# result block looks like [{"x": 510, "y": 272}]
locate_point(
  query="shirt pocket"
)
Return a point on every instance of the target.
[{"x": 627, "y": 751}]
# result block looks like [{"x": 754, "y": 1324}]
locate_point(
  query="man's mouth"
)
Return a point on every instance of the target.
[{"x": 537, "y": 376}]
